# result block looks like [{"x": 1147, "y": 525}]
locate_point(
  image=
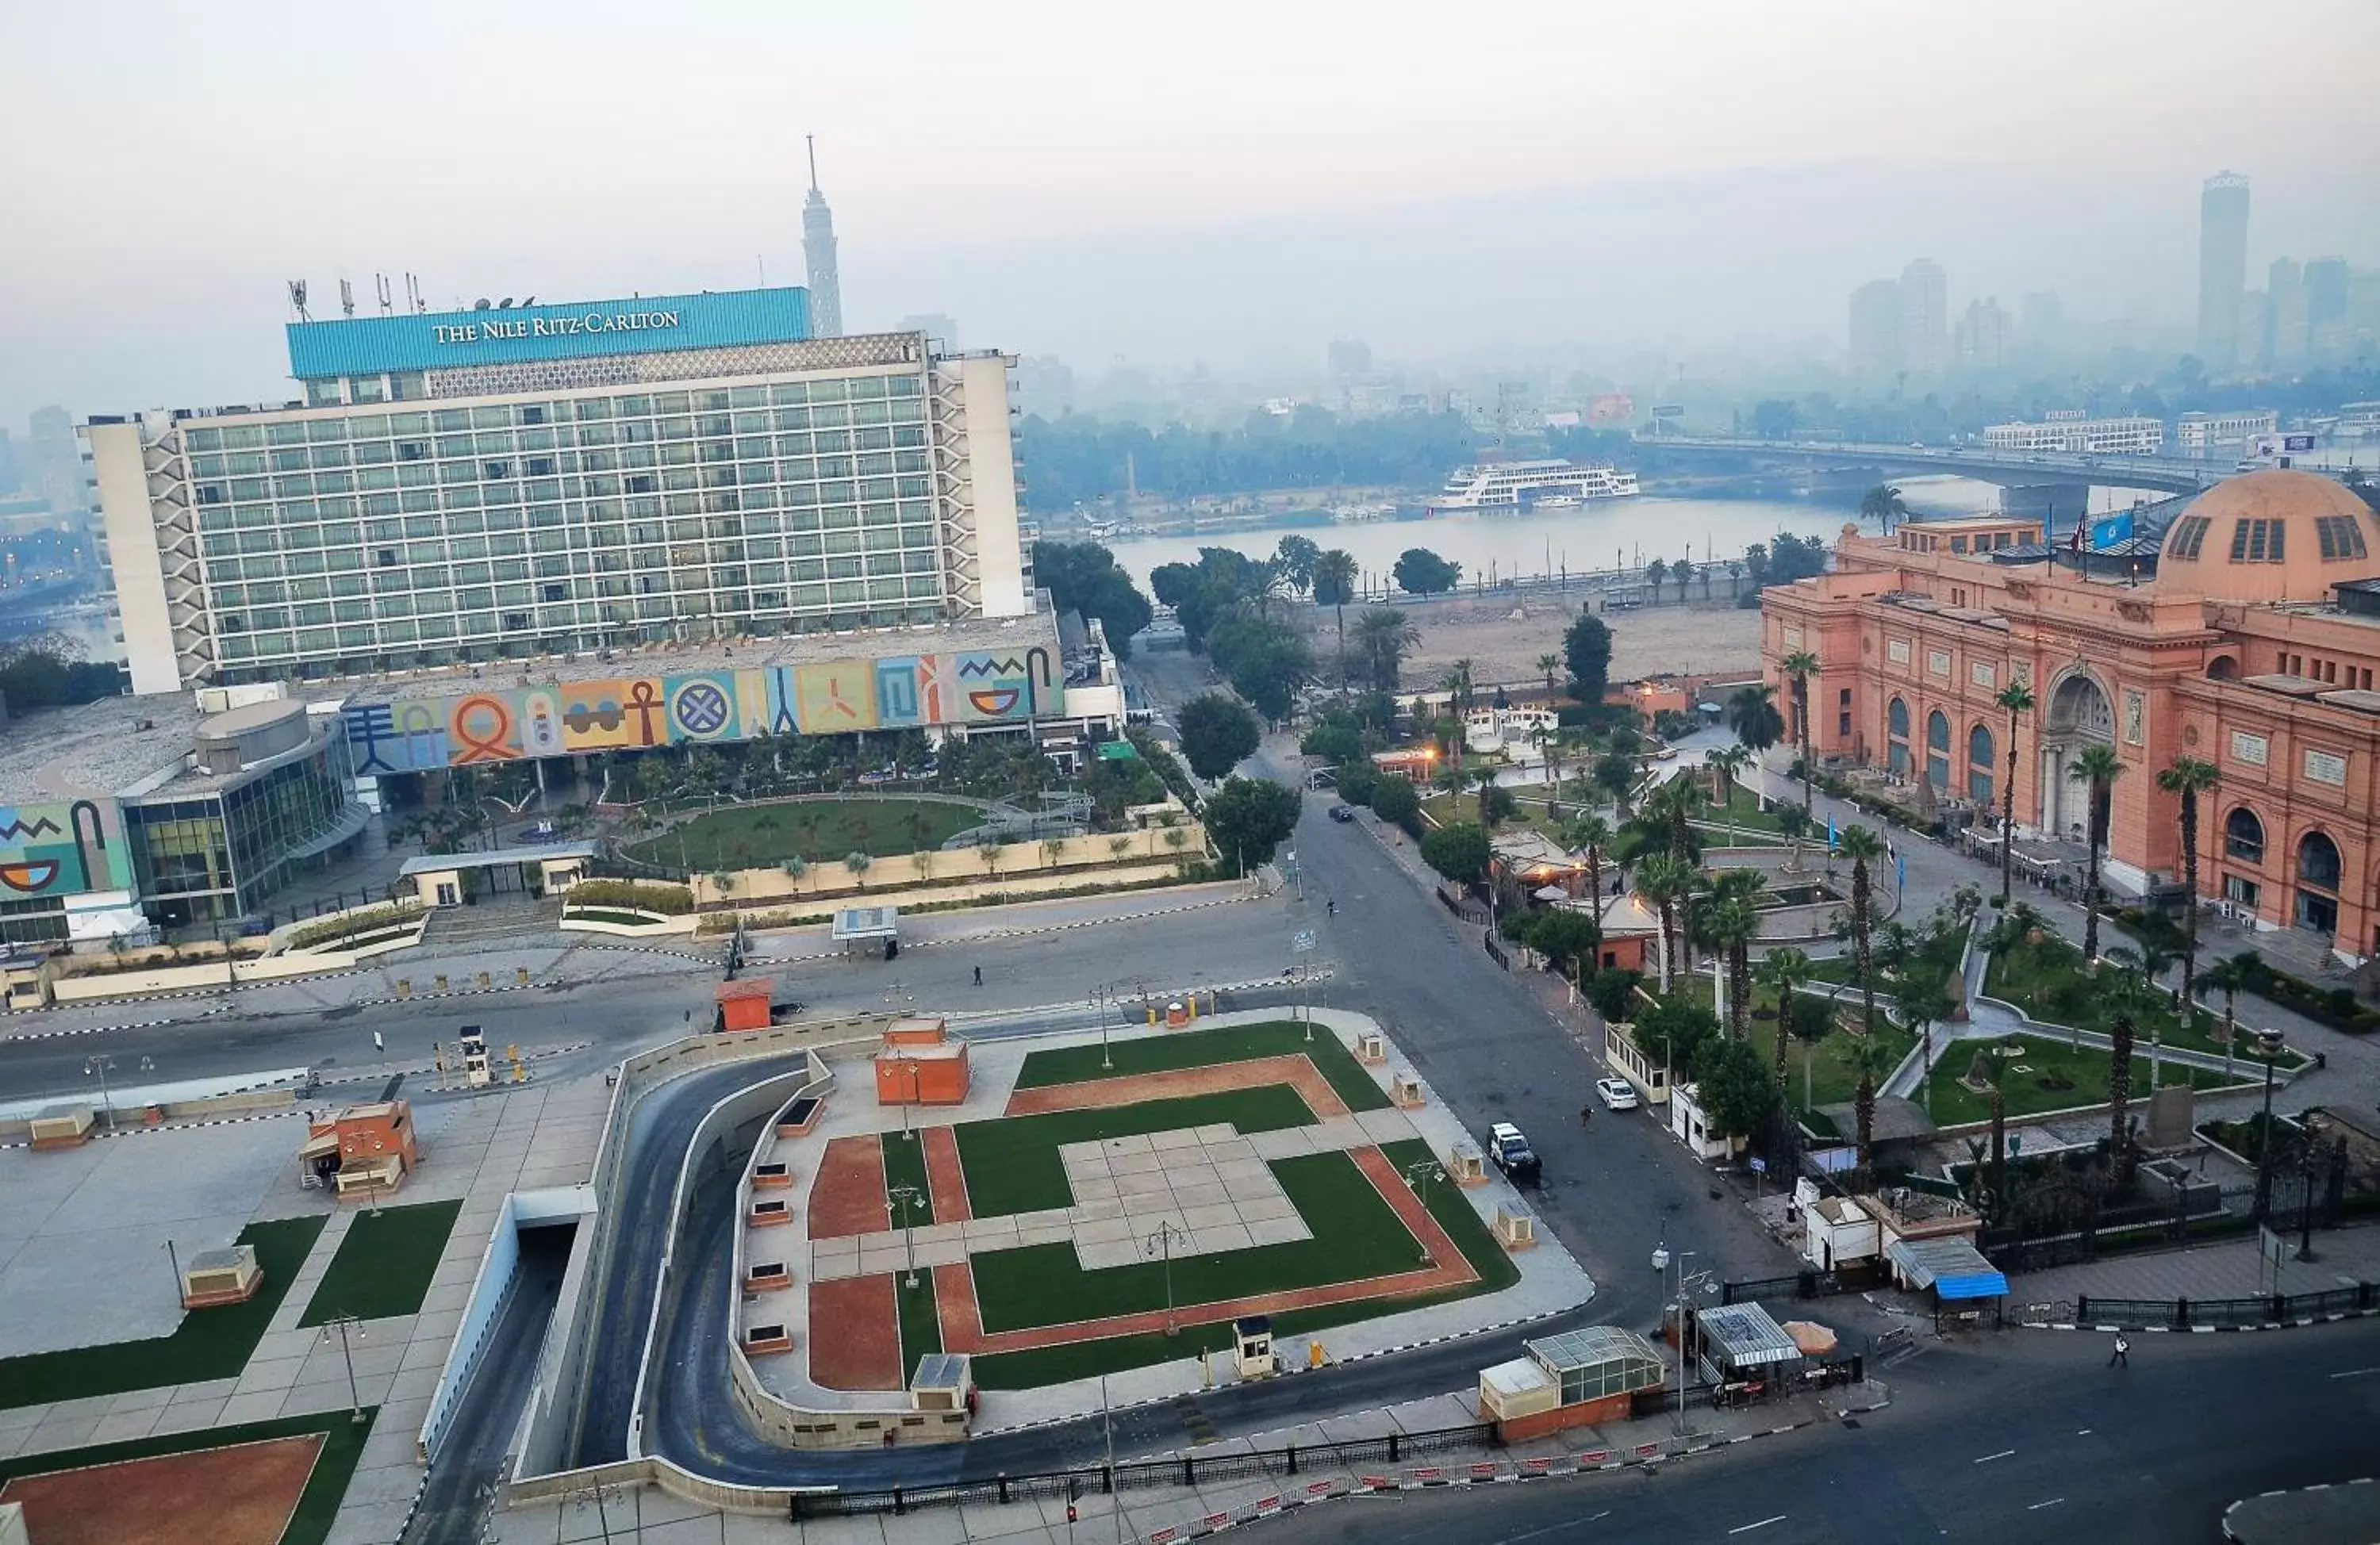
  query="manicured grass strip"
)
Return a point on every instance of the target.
[
  {"x": 1011, "y": 1163},
  {"x": 905, "y": 1164},
  {"x": 384, "y": 1265},
  {"x": 309, "y": 1522},
  {"x": 818, "y": 830},
  {"x": 1452, "y": 1207},
  {"x": 1357, "y": 1234},
  {"x": 2084, "y": 1069},
  {"x": 1206, "y": 1048},
  {"x": 921, "y": 1321},
  {"x": 208, "y": 1344},
  {"x": 1832, "y": 1080}
]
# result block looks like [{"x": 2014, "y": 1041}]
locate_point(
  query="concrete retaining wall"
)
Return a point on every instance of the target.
[
  {"x": 499, "y": 1266},
  {"x": 661, "y": 926}
]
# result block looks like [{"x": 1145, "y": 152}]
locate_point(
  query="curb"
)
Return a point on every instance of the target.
[
  {"x": 138, "y": 1024},
  {"x": 2228, "y": 1533},
  {"x": 2297, "y": 1324},
  {"x": 1484, "y": 1472}
]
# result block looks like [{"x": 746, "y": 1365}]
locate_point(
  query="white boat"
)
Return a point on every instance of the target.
[
  {"x": 1357, "y": 514},
  {"x": 1502, "y": 486}
]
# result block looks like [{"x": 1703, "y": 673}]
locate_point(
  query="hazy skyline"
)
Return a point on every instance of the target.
[{"x": 1235, "y": 183}]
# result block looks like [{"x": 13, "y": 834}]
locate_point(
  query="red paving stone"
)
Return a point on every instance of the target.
[
  {"x": 963, "y": 1318},
  {"x": 1297, "y": 1071},
  {"x": 848, "y": 1198},
  {"x": 249, "y": 1492},
  {"x": 856, "y": 1334},
  {"x": 945, "y": 1176}
]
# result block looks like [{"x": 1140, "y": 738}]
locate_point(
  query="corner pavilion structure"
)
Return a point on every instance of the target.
[{"x": 2252, "y": 643}]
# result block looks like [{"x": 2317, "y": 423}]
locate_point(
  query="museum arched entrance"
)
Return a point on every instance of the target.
[{"x": 2079, "y": 715}]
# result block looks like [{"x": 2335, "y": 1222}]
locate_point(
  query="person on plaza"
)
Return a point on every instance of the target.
[
  {"x": 978, "y": 976},
  {"x": 2121, "y": 1356}
]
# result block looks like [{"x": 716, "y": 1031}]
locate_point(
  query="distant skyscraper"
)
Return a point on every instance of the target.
[
  {"x": 1875, "y": 329},
  {"x": 54, "y": 463},
  {"x": 2222, "y": 267},
  {"x": 818, "y": 256},
  {"x": 1924, "y": 316},
  {"x": 2327, "y": 285},
  {"x": 10, "y": 480},
  {"x": 1350, "y": 357},
  {"x": 942, "y": 329},
  {"x": 2284, "y": 315},
  {"x": 1983, "y": 335}
]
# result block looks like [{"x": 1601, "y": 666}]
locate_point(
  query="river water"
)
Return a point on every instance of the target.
[{"x": 1622, "y": 532}]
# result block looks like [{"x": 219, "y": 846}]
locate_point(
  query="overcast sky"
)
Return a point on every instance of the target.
[{"x": 1229, "y": 182}]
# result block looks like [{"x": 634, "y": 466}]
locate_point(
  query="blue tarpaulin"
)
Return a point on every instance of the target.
[{"x": 1952, "y": 1267}]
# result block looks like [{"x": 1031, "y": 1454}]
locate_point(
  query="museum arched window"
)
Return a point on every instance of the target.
[
  {"x": 1895, "y": 725},
  {"x": 2318, "y": 871},
  {"x": 1979, "y": 765},
  {"x": 2222, "y": 668},
  {"x": 1938, "y": 749},
  {"x": 2243, "y": 836}
]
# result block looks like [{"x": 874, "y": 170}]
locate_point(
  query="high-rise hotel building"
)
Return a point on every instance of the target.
[{"x": 546, "y": 480}]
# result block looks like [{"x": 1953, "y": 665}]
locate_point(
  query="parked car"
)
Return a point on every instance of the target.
[
  {"x": 1512, "y": 1153},
  {"x": 1616, "y": 1094},
  {"x": 1342, "y": 814}
]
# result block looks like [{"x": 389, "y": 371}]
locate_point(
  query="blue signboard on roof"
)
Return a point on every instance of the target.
[{"x": 579, "y": 329}]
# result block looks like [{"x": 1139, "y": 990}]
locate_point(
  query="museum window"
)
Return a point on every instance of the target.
[
  {"x": 1979, "y": 765},
  {"x": 1896, "y": 758},
  {"x": 1938, "y": 749},
  {"x": 2318, "y": 860},
  {"x": 2242, "y": 891},
  {"x": 2243, "y": 836}
]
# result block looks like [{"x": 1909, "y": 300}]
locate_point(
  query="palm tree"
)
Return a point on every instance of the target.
[
  {"x": 1334, "y": 586},
  {"x": 1996, "y": 1067},
  {"x": 1784, "y": 969},
  {"x": 794, "y": 869},
  {"x": 1673, "y": 806},
  {"x": 1725, "y": 762},
  {"x": 2098, "y": 766},
  {"x": 858, "y": 864},
  {"x": 1593, "y": 834},
  {"x": 1871, "y": 1059},
  {"x": 1457, "y": 682},
  {"x": 1550, "y": 666},
  {"x": 1656, "y": 573},
  {"x": 1752, "y": 714},
  {"x": 991, "y": 852},
  {"x": 2229, "y": 977},
  {"x": 1549, "y": 746},
  {"x": 2188, "y": 777},
  {"x": 2129, "y": 994},
  {"x": 1884, "y": 505},
  {"x": 1800, "y": 666},
  {"x": 2017, "y": 698},
  {"x": 1863, "y": 847},
  {"x": 1665, "y": 880},
  {"x": 1924, "y": 1004},
  {"x": 1732, "y": 922},
  {"x": 1383, "y": 637},
  {"x": 1682, "y": 570}
]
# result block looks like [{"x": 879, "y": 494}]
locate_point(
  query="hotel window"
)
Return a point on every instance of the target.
[{"x": 2243, "y": 836}]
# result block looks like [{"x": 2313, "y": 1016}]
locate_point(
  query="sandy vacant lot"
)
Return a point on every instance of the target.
[{"x": 1502, "y": 639}]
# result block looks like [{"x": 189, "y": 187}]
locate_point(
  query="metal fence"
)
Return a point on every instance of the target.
[
  {"x": 1802, "y": 1284},
  {"x": 1190, "y": 1470},
  {"x": 2187, "y": 1314}
]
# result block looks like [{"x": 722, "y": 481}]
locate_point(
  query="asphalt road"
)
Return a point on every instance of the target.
[{"x": 2024, "y": 1437}]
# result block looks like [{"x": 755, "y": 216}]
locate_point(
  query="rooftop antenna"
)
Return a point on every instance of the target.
[
  {"x": 297, "y": 300},
  {"x": 380, "y": 287},
  {"x": 346, "y": 298},
  {"x": 811, "y": 141}
]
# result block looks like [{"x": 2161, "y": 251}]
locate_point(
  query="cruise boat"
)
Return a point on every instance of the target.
[{"x": 1501, "y": 485}]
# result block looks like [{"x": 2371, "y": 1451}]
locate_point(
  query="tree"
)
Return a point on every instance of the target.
[
  {"x": 1784, "y": 971},
  {"x": 1547, "y": 664},
  {"x": 1497, "y": 804},
  {"x": 2130, "y": 994},
  {"x": 1335, "y": 574},
  {"x": 2228, "y": 976},
  {"x": 1396, "y": 802},
  {"x": 2098, "y": 766},
  {"x": 1457, "y": 850},
  {"x": 1420, "y": 572},
  {"x": 47, "y": 670},
  {"x": 1775, "y": 419},
  {"x": 1265, "y": 661},
  {"x": 2017, "y": 698},
  {"x": 1672, "y": 807},
  {"x": 1665, "y": 880},
  {"x": 1675, "y": 1031},
  {"x": 1217, "y": 733},
  {"x": 1336, "y": 739},
  {"x": 1729, "y": 923},
  {"x": 2189, "y": 777},
  {"x": 1884, "y": 505},
  {"x": 1383, "y": 637},
  {"x": 1725, "y": 762},
  {"x": 1655, "y": 573},
  {"x": 1800, "y": 666},
  {"x": 1593, "y": 834},
  {"x": 1736, "y": 1094},
  {"x": 1616, "y": 775},
  {"x": 1752, "y": 714},
  {"x": 1926, "y": 1003},
  {"x": 1587, "y": 651},
  {"x": 1083, "y": 576},
  {"x": 1871, "y": 1059},
  {"x": 1249, "y": 817},
  {"x": 1296, "y": 558},
  {"x": 858, "y": 864},
  {"x": 1567, "y": 937},
  {"x": 1863, "y": 847},
  {"x": 1682, "y": 572}
]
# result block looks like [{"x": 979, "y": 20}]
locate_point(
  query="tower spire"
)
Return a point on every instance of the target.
[
  {"x": 817, "y": 255},
  {"x": 810, "y": 141}
]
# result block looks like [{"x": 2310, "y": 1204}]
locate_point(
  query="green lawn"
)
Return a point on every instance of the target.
[
  {"x": 1833, "y": 1081},
  {"x": 1205, "y": 1048},
  {"x": 905, "y": 1164},
  {"x": 384, "y": 1265},
  {"x": 1081, "y": 1359},
  {"x": 745, "y": 836},
  {"x": 2083, "y": 1070},
  {"x": 2046, "y": 980},
  {"x": 208, "y": 1344},
  {"x": 921, "y": 1323},
  {"x": 309, "y": 1522},
  {"x": 1747, "y": 813},
  {"x": 1011, "y": 1163}
]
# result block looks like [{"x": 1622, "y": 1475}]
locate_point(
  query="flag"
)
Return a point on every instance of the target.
[
  {"x": 1830, "y": 834},
  {"x": 2109, "y": 530},
  {"x": 1899, "y": 873}
]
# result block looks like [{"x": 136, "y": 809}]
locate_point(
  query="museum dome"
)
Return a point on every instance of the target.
[{"x": 2273, "y": 535}]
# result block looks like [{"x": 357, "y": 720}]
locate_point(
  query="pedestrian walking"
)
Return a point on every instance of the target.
[
  {"x": 377, "y": 1045},
  {"x": 978, "y": 976},
  {"x": 2121, "y": 1356}
]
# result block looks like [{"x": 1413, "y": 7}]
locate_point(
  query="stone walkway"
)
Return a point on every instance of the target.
[{"x": 2228, "y": 1270}]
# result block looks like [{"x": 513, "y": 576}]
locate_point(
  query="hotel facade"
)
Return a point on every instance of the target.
[{"x": 2254, "y": 646}]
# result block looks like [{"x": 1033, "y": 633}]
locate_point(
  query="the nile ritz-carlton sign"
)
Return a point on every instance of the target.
[{"x": 629, "y": 713}]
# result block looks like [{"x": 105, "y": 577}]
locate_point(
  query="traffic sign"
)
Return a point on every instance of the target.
[{"x": 1304, "y": 942}]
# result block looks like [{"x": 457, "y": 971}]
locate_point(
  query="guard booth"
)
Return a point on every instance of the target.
[
  {"x": 945, "y": 1381},
  {"x": 868, "y": 931},
  {"x": 1252, "y": 1346},
  {"x": 475, "y": 1057}
]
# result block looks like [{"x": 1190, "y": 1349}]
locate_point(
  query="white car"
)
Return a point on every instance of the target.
[{"x": 1616, "y": 1094}]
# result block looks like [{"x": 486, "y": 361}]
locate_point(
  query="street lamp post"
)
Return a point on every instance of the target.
[
  {"x": 1418, "y": 1175},
  {"x": 906, "y": 1198},
  {"x": 341, "y": 1321},
  {"x": 2268, "y": 1046},
  {"x": 99, "y": 1066},
  {"x": 1665, "y": 1258},
  {"x": 2305, "y": 1198},
  {"x": 1161, "y": 1243}
]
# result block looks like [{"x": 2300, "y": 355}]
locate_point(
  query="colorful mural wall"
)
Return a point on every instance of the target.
[
  {"x": 627, "y": 713},
  {"x": 62, "y": 850}
]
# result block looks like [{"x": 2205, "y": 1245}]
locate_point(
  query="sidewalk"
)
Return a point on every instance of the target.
[{"x": 2226, "y": 1269}]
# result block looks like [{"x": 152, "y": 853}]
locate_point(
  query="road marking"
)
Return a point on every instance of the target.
[
  {"x": 1550, "y": 1528},
  {"x": 2355, "y": 1372},
  {"x": 1747, "y": 1529},
  {"x": 2081, "y": 1432},
  {"x": 1989, "y": 1457},
  {"x": 2051, "y": 1502}
]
